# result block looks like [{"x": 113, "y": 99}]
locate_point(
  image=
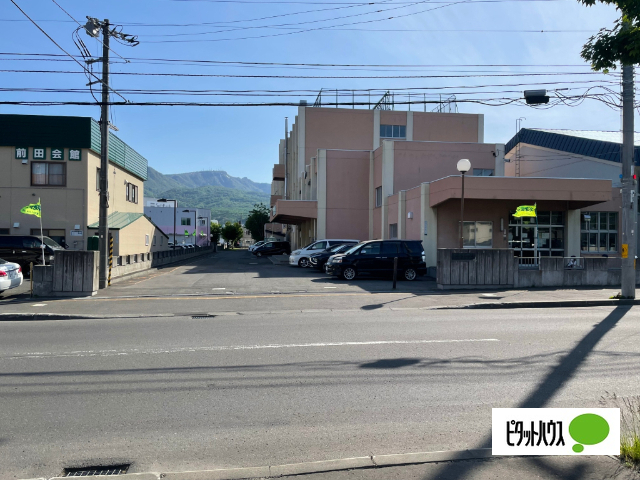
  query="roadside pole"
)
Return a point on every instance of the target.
[
  {"x": 395, "y": 271},
  {"x": 629, "y": 208},
  {"x": 103, "y": 226}
]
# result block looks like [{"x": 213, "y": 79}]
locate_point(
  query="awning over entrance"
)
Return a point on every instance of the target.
[
  {"x": 294, "y": 212},
  {"x": 577, "y": 192}
]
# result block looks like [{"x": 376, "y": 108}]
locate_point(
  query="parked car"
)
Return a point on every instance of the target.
[
  {"x": 273, "y": 248},
  {"x": 375, "y": 258},
  {"x": 255, "y": 245},
  {"x": 318, "y": 260},
  {"x": 301, "y": 256},
  {"x": 10, "y": 275},
  {"x": 24, "y": 249}
]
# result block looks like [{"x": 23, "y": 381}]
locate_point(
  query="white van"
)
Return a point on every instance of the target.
[{"x": 300, "y": 257}]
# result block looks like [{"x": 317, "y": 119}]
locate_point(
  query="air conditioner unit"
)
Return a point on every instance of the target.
[{"x": 410, "y": 215}]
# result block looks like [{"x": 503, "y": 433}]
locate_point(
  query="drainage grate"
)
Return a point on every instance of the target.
[
  {"x": 195, "y": 317},
  {"x": 97, "y": 470}
]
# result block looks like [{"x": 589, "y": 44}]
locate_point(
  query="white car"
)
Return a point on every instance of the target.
[
  {"x": 300, "y": 257},
  {"x": 10, "y": 275},
  {"x": 256, "y": 245}
]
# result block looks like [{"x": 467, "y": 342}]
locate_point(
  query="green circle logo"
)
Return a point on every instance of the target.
[{"x": 588, "y": 429}]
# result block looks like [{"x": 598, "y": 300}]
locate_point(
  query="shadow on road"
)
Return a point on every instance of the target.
[
  {"x": 559, "y": 376},
  {"x": 391, "y": 363}
]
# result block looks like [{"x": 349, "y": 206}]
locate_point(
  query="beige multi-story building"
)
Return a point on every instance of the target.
[
  {"x": 372, "y": 174},
  {"x": 57, "y": 160}
]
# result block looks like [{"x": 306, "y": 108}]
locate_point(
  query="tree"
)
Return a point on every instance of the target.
[
  {"x": 620, "y": 44},
  {"x": 232, "y": 232},
  {"x": 216, "y": 231},
  {"x": 256, "y": 220}
]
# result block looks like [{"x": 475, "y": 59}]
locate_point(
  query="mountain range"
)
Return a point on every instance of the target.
[{"x": 228, "y": 198}]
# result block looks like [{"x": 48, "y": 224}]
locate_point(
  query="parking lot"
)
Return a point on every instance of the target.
[{"x": 240, "y": 272}]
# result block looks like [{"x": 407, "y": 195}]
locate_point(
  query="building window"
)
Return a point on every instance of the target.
[
  {"x": 483, "y": 172},
  {"x": 379, "y": 197},
  {"x": 599, "y": 232},
  {"x": 541, "y": 236},
  {"x": 393, "y": 230},
  {"x": 185, "y": 221},
  {"x": 4, "y": 231},
  {"x": 132, "y": 193},
  {"x": 202, "y": 222},
  {"x": 393, "y": 131},
  {"x": 154, "y": 240},
  {"x": 477, "y": 234},
  {"x": 161, "y": 239},
  {"x": 146, "y": 240},
  {"x": 97, "y": 179},
  {"x": 54, "y": 174}
]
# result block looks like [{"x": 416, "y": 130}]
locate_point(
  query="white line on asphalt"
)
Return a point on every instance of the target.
[
  {"x": 39, "y": 305},
  {"x": 219, "y": 288},
  {"x": 330, "y": 287},
  {"x": 152, "y": 351}
]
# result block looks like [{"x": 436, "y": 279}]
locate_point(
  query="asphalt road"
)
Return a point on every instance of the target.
[{"x": 179, "y": 393}]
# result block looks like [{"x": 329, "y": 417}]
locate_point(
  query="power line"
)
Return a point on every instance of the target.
[
  {"x": 369, "y": 77},
  {"x": 82, "y": 26},
  {"x": 56, "y": 44},
  {"x": 227, "y": 62}
]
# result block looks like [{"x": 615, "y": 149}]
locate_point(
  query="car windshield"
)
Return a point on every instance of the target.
[
  {"x": 2, "y": 261},
  {"x": 343, "y": 248},
  {"x": 352, "y": 249},
  {"x": 50, "y": 243}
]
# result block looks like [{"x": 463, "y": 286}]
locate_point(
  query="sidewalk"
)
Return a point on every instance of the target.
[{"x": 495, "y": 468}]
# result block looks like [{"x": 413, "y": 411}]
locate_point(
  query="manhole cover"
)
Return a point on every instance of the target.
[{"x": 96, "y": 470}]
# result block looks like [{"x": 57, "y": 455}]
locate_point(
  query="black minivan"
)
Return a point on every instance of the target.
[
  {"x": 375, "y": 258},
  {"x": 24, "y": 249},
  {"x": 272, "y": 248}
]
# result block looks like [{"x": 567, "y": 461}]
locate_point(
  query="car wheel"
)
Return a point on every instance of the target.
[
  {"x": 349, "y": 273},
  {"x": 410, "y": 274},
  {"x": 303, "y": 262}
]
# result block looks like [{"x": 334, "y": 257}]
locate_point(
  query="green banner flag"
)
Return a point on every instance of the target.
[
  {"x": 194, "y": 233},
  {"x": 32, "y": 209},
  {"x": 526, "y": 211},
  {"x": 186, "y": 233}
]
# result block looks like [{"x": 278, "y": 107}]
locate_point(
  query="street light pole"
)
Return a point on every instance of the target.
[
  {"x": 629, "y": 215},
  {"x": 463, "y": 167}
]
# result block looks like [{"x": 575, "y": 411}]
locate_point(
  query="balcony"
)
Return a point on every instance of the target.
[
  {"x": 274, "y": 199},
  {"x": 294, "y": 212},
  {"x": 278, "y": 171}
]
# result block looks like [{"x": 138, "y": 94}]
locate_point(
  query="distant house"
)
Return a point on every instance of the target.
[{"x": 184, "y": 225}]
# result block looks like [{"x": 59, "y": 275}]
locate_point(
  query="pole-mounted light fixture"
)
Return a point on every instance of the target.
[{"x": 463, "y": 166}]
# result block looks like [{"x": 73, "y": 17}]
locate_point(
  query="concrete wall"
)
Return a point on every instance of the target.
[
  {"x": 73, "y": 273},
  {"x": 501, "y": 269},
  {"x": 413, "y": 205},
  {"x": 154, "y": 260},
  {"x": 447, "y": 127},
  {"x": 417, "y": 162},
  {"x": 347, "y": 194}
]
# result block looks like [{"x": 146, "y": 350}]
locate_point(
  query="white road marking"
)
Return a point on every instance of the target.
[
  {"x": 153, "y": 351},
  {"x": 219, "y": 288},
  {"x": 39, "y": 305},
  {"x": 489, "y": 295},
  {"x": 330, "y": 287}
]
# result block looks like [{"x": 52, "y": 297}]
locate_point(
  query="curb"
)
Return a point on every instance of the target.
[
  {"x": 12, "y": 317},
  {"x": 547, "y": 304},
  {"x": 324, "y": 466}
]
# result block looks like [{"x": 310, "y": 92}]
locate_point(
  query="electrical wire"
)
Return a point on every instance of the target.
[
  {"x": 369, "y": 77},
  {"x": 56, "y": 44}
]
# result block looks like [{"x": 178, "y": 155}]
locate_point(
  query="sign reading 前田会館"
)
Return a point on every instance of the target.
[
  {"x": 555, "y": 431},
  {"x": 40, "y": 153}
]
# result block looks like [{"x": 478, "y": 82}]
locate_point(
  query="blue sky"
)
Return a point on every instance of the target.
[{"x": 244, "y": 140}]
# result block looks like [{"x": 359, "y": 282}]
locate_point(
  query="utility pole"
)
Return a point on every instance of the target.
[
  {"x": 629, "y": 205},
  {"x": 286, "y": 153},
  {"x": 103, "y": 224}
]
